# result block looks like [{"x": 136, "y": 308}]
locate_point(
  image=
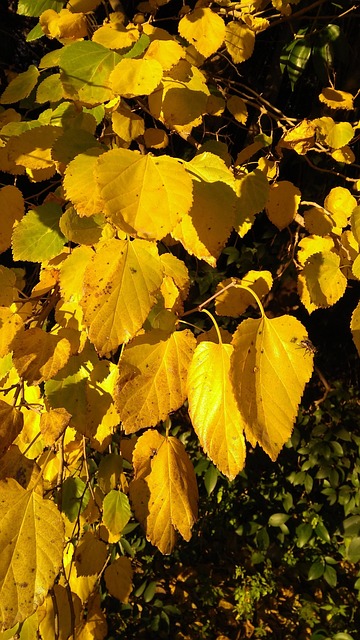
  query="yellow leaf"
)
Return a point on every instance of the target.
[
  {"x": 213, "y": 410},
  {"x": 318, "y": 221},
  {"x": 252, "y": 191},
  {"x": 31, "y": 543},
  {"x": 116, "y": 36},
  {"x": 155, "y": 138},
  {"x": 102, "y": 417},
  {"x": 164, "y": 491},
  {"x": 38, "y": 356},
  {"x": 118, "y": 579},
  {"x": 176, "y": 283},
  {"x": 344, "y": 155},
  {"x": 90, "y": 555},
  {"x": 59, "y": 614},
  {"x": 32, "y": 149},
  {"x": 65, "y": 25},
  {"x": 204, "y": 29},
  {"x": 127, "y": 125},
  {"x": 355, "y": 327},
  {"x": 255, "y": 23},
  {"x": 269, "y": 369},
  {"x": 235, "y": 301},
  {"x": 166, "y": 52},
  {"x": 238, "y": 108},
  {"x": 152, "y": 377},
  {"x": 52, "y": 424},
  {"x": 239, "y": 41},
  {"x": 313, "y": 244},
  {"x": 283, "y": 203},
  {"x": 340, "y": 203},
  {"x": 356, "y": 268},
  {"x": 143, "y": 195},
  {"x": 20, "y": 87},
  {"x": 334, "y": 134},
  {"x": 325, "y": 281},
  {"x": 72, "y": 273},
  {"x": 10, "y": 324},
  {"x": 118, "y": 270},
  {"x": 82, "y": 191},
  {"x": 135, "y": 77},
  {"x": 300, "y": 138},
  {"x": 355, "y": 223},
  {"x": 337, "y": 99},
  {"x": 95, "y": 627},
  {"x": 11, "y": 423}
]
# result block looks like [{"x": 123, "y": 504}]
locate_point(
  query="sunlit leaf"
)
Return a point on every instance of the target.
[
  {"x": 325, "y": 281},
  {"x": 132, "y": 78},
  {"x": 313, "y": 244},
  {"x": 344, "y": 155},
  {"x": 204, "y": 29},
  {"x": 252, "y": 191},
  {"x": 340, "y": 203},
  {"x": 53, "y": 423},
  {"x": 166, "y": 52},
  {"x": 116, "y": 36},
  {"x": 239, "y": 41},
  {"x": 300, "y": 138},
  {"x": 84, "y": 193},
  {"x": 65, "y": 25},
  {"x": 32, "y": 149},
  {"x": 282, "y": 203},
  {"x": 37, "y": 237},
  {"x": 269, "y": 369},
  {"x": 234, "y": 301},
  {"x": 118, "y": 579},
  {"x": 238, "y": 108},
  {"x": 116, "y": 511},
  {"x": 335, "y": 134},
  {"x": 38, "y": 356},
  {"x": 31, "y": 543},
  {"x": 152, "y": 377},
  {"x": 11, "y": 423},
  {"x": 318, "y": 221},
  {"x": 119, "y": 290},
  {"x": 336, "y": 99},
  {"x": 213, "y": 410}
]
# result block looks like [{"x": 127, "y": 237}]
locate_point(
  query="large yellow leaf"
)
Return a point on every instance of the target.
[
  {"x": 31, "y": 546},
  {"x": 204, "y": 29},
  {"x": 325, "y": 281},
  {"x": 11, "y": 423},
  {"x": 11, "y": 209},
  {"x": 164, "y": 492},
  {"x": 283, "y": 203},
  {"x": 239, "y": 41},
  {"x": 152, "y": 377},
  {"x": 213, "y": 409},
  {"x": 118, "y": 578},
  {"x": 82, "y": 191},
  {"x": 119, "y": 290},
  {"x": 143, "y": 195},
  {"x": 135, "y": 77},
  {"x": 38, "y": 356},
  {"x": 269, "y": 369}
]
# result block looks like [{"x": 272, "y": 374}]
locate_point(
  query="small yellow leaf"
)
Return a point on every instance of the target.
[
  {"x": 127, "y": 125},
  {"x": 235, "y": 301},
  {"x": 334, "y": 134},
  {"x": 300, "y": 138},
  {"x": 118, "y": 578},
  {"x": 166, "y": 52},
  {"x": 11, "y": 423},
  {"x": 116, "y": 512},
  {"x": 32, "y": 149},
  {"x": 325, "y": 281},
  {"x": 204, "y": 29},
  {"x": 112, "y": 312},
  {"x": 252, "y": 191},
  {"x": 164, "y": 492},
  {"x": 355, "y": 327},
  {"x": 239, "y": 41},
  {"x": 52, "y": 424},
  {"x": 269, "y": 369},
  {"x": 65, "y": 25},
  {"x": 318, "y": 221},
  {"x": 340, "y": 203},
  {"x": 116, "y": 36},
  {"x": 82, "y": 191},
  {"x": 337, "y": 99},
  {"x": 238, "y": 108},
  {"x": 344, "y": 155},
  {"x": 135, "y": 77},
  {"x": 31, "y": 543},
  {"x": 176, "y": 272},
  {"x": 90, "y": 555},
  {"x": 283, "y": 203},
  {"x": 38, "y": 356},
  {"x": 213, "y": 410},
  {"x": 152, "y": 377}
]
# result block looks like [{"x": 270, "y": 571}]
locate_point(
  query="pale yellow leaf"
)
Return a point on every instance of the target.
[
  {"x": 143, "y": 195},
  {"x": 355, "y": 327},
  {"x": 269, "y": 370},
  {"x": 239, "y": 41},
  {"x": 152, "y": 377},
  {"x": 135, "y": 77},
  {"x": 337, "y": 99},
  {"x": 166, "y": 52},
  {"x": 72, "y": 273},
  {"x": 252, "y": 190},
  {"x": 38, "y": 356},
  {"x": 204, "y": 29},
  {"x": 340, "y": 203},
  {"x": 213, "y": 410},
  {"x": 118, "y": 578},
  {"x": 313, "y": 244},
  {"x": 325, "y": 281},
  {"x": 82, "y": 191},
  {"x": 234, "y": 301},
  {"x": 119, "y": 290},
  {"x": 283, "y": 203},
  {"x": 116, "y": 36},
  {"x": 31, "y": 544},
  {"x": 176, "y": 283}
]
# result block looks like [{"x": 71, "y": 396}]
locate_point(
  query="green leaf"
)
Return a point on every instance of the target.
[
  {"x": 116, "y": 511},
  {"x": 34, "y": 8},
  {"x": 303, "y": 533},
  {"x": 351, "y": 526},
  {"x": 75, "y": 497},
  {"x": 139, "y": 47},
  {"x": 35, "y": 33},
  {"x": 298, "y": 59},
  {"x": 21, "y": 86},
  {"x": 330, "y": 576},
  {"x": 322, "y": 532},
  {"x": 316, "y": 570},
  {"x": 353, "y": 552},
  {"x": 277, "y": 519},
  {"x": 37, "y": 237},
  {"x": 210, "y": 479}
]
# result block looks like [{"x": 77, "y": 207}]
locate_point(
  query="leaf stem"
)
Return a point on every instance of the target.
[
  {"x": 231, "y": 285},
  {"x": 214, "y": 323}
]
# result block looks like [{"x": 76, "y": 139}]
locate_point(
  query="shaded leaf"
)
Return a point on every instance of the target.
[
  {"x": 38, "y": 356},
  {"x": 325, "y": 281},
  {"x": 11, "y": 423},
  {"x": 21, "y": 86},
  {"x": 118, "y": 578},
  {"x": 37, "y": 237}
]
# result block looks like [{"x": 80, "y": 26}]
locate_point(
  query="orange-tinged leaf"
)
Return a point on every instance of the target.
[
  {"x": 135, "y": 77},
  {"x": 325, "y": 281},
  {"x": 11, "y": 209},
  {"x": 213, "y": 409},
  {"x": 116, "y": 511},
  {"x": 118, "y": 578},
  {"x": 11, "y": 423},
  {"x": 234, "y": 301},
  {"x": 38, "y": 356},
  {"x": 53, "y": 423},
  {"x": 239, "y": 41},
  {"x": 283, "y": 203},
  {"x": 31, "y": 543},
  {"x": 269, "y": 369},
  {"x": 143, "y": 195},
  {"x": 90, "y": 555},
  {"x": 152, "y": 377},
  {"x": 355, "y": 327},
  {"x": 336, "y": 99},
  {"x": 204, "y": 29},
  {"x": 164, "y": 493},
  {"x": 119, "y": 290},
  {"x": 82, "y": 191}
]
